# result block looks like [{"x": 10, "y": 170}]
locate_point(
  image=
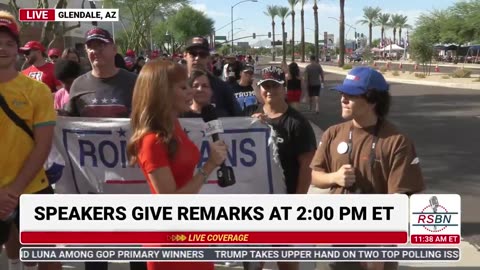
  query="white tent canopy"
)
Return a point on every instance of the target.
[{"x": 393, "y": 47}]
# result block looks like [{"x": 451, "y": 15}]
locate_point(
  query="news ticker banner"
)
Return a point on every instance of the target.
[
  {"x": 94, "y": 151},
  {"x": 241, "y": 254},
  {"x": 67, "y": 15}
]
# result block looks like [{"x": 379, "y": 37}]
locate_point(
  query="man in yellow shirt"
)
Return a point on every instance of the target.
[{"x": 23, "y": 150}]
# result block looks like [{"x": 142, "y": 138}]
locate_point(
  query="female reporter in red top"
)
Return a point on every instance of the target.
[{"x": 159, "y": 145}]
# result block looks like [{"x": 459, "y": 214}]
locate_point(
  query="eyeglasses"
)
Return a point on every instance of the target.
[{"x": 200, "y": 54}]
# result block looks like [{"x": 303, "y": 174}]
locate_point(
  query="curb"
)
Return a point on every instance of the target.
[{"x": 470, "y": 86}]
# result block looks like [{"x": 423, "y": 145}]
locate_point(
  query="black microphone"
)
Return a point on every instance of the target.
[{"x": 225, "y": 174}]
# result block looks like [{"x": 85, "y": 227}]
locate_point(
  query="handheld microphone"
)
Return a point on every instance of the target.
[
  {"x": 225, "y": 174},
  {"x": 434, "y": 205}
]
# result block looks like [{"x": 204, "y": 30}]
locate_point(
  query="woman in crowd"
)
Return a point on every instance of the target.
[
  {"x": 202, "y": 93},
  {"x": 159, "y": 145},
  {"x": 294, "y": 85}
]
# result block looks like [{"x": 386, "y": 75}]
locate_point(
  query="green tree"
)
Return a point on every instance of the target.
[
  {"x": 383, "y": 21},
  {"x": 302, "y": 18},
  {"x": 370, "y": 16},
  {"x": 395, "y": 21},
  {"x": 272, "y": 12},
  {"x": 283, "y": 13},
  {"x": 189, "y": 22},
  {"x": 292, "y": 4},
  {"x": 315, "y": 17},
  {"x": 142, "y": 16},
  {"x": 341, "y": 61}
]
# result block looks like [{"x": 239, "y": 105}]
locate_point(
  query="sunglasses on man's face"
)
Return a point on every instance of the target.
[{"x": 201, "y": 54}]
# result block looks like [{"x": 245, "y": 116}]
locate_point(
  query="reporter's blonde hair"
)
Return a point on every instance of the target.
[{"x": 152, "y": 105}]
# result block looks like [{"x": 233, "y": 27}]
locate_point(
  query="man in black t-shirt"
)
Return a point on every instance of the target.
[{"x": 293, "y": 135}]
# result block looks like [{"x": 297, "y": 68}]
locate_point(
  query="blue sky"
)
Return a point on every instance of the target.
[{"x": 254, "y": 19}]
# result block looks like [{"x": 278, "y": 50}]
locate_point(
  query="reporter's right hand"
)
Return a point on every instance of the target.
[
  {"x": 345, "y": 176},
  {"x": 218, "y": 153}
]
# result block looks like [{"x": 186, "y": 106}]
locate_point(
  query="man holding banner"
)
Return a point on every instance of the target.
[{"x": 105, "y": 91}]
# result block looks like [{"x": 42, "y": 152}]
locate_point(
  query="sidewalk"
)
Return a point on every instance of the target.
[
  {"x": 435, "y": 79},
  {"x": 440, "y": 64}
]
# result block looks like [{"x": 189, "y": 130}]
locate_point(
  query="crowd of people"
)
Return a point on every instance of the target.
[{"x": 155, "y": 93}]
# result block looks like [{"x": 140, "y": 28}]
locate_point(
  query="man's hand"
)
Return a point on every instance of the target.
[
  {"x": 8, "y": 202},
  {"x": 345, "y": 176}
]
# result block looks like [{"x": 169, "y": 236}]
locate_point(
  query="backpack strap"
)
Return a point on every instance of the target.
[{"x": 14, "y": 117}]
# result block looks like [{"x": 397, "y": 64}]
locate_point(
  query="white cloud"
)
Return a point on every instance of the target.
[{"x": 210, "y": 13}]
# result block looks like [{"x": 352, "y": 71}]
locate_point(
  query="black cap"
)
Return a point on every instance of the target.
[
  {"x": 98, "y": 34},
  {"x": 198, "y": 43}
]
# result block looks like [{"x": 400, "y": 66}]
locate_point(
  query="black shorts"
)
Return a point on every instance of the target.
[
  {"x": 314, "y": 91},
  {"x": 5, "y": 226}
]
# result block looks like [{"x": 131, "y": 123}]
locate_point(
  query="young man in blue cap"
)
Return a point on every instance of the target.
[{"x": 366, "y": 154}]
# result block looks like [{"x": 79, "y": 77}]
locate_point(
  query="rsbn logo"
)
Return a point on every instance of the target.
[{"x": 434, "y": 217}]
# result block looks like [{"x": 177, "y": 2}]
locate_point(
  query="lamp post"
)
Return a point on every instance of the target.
[
  {"x": 231, "y": 18},
  {"x": 349, "y": 26}
]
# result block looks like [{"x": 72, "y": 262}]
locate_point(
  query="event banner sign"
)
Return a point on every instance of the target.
[{"x": 94, "y": 151}]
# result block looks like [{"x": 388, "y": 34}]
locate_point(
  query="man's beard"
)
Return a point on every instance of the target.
[{"x": 31, "y": 60}]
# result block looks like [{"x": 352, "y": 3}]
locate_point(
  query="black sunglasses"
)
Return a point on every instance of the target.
[{"x": 201, "y": 54}]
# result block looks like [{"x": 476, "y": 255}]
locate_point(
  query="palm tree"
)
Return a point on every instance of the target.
[
  {"x": 383, "y": 21},
  {"x": 283, "y": 13},
  {"x": 341, "y": 61},
  {"x": 370, "y": 16},
  {"x": 395, "y": 20},
  {"x": 292, "y": 4},
  {"x": 315, "y": 15},
  {"x": 272, "y": 12},
  {"x": 302, "y": 18},
  {"x": 402, "y": 24}
]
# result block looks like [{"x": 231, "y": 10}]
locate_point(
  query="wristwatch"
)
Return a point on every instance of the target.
[{"x": 204, "y": 174}]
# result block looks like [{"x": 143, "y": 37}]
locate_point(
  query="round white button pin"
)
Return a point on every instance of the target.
[{"x": 342, "y": 148}]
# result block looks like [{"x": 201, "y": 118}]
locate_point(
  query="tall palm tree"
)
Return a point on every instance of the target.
[
  {"x": 341, "y": 61},
  {"x": 272, "y": 12},
  {"x": 394, "y": 23},
  {"x": 292, "y": 4},
  {"x": 402, "y": 24},
  {"x": 283, "y": 13},
  {"x": 370, "y": 15},
  {"x": 383, "y": 21},
  {"x": 315, "y": 16},
  {"x": 302, "y": 18}
]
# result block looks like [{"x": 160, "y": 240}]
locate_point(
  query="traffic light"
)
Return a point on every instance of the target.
[
  {"x": 254, "y": 35},
  {"x": 356, "y": 34},
  {"x": 269, "y": 34}
]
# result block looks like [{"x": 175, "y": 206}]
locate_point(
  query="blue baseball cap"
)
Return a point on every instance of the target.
[{"x": 361, "y": 79}]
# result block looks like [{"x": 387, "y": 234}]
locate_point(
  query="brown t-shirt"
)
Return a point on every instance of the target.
[{"x": 396, "y": 167}]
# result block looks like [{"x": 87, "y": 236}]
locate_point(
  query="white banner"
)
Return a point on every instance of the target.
[{"x": 95, "y": 156}]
